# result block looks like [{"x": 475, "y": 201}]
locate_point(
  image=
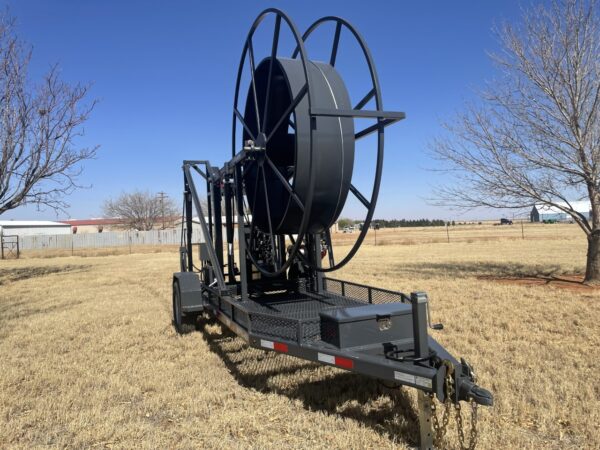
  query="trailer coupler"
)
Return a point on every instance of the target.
[{"x": 467, "y": 388}]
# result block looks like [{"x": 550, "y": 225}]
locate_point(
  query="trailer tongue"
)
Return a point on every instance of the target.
[{"x": 289, "y": 177}]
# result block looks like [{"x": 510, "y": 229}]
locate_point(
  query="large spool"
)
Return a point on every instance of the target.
[
  {"x": 290, "y": 146},
  {"x": 299, "y": 118}
]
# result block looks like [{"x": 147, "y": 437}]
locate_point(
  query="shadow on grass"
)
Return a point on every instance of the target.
[
  {"x": 13, "y": 310},
  {"x": 25, "y": 273},
  {"x": 320, "y": 388},
  {"x": 24, "y": 309},
  {"x": 482, "y": 269}
]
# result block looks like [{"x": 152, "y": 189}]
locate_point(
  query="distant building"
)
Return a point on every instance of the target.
[
  {"x": 94, "y": 225},
  {"x": 545, "y": 213},
  {"x": 32, "y": 227}
]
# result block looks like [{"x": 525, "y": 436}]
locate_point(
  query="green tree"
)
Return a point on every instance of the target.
[{"x": 345, "y": 222}]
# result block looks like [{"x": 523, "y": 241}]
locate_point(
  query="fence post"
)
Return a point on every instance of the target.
[
  {"x": 447, "y": 232},
  {"x": 522, "y": 230}
]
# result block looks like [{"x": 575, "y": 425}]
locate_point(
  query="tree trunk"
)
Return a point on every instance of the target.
[{"x": 592, "y": 272}]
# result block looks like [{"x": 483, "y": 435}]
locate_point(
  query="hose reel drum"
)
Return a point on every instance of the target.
[
  {"x": 289, "y": 148},
  {"x": 298, "y": 118}
]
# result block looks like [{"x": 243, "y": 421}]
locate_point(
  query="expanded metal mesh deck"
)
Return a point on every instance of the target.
[
  {"x": 297, "y": 305},
  {"x": 294, "y": 315}
]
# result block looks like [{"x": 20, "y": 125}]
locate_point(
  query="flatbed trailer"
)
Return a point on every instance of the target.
[{"x": 257, "y": 254}]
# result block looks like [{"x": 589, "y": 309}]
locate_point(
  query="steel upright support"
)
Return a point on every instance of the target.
[
  {"x": 209, "y": 196},
  {"x": 239, "y": 200},
  {"x": 212, "y": 253},
  {"x": 425, "y": 425},
  {"x": 218, "y": 219},
  {"x": 419, "y": 316},
  {"x": 319, "y": 274},
  {"x": 229, "y": 228},
  {"x": 188, "y": 223}
]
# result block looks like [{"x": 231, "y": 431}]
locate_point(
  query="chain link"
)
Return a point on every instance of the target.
[
  {"x": 440, "y": 429},
  {"x": 459, "y": 425}
]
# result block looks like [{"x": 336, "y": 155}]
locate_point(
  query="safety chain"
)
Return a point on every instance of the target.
[
  {"x": 459, "y": 426},
  {"x": 440, "y": 429}
]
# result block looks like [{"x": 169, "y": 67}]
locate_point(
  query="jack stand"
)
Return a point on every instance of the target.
[{"x": 425, "y": 426}]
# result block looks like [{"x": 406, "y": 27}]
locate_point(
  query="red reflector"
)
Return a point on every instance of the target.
[
  {"x": 280, "y": 347},
  {"x": 344, "y": 362}
]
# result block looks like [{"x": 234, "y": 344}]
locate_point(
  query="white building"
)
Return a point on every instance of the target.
[
  {"x": 545, "y": 213},
  {"x": 32, "y": 227}
]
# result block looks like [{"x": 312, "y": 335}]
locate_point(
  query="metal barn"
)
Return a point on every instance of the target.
[
  {"x": 542, "y": 213},
  {"x": 32, "y": 227}
]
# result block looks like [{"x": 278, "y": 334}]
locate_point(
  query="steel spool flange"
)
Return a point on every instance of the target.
[
  {"x": 261, "y": 138},
  {"x": 383, "y": 119}
]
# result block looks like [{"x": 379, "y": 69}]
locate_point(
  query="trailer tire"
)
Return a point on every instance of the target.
[{"x": 183, "y": 323}]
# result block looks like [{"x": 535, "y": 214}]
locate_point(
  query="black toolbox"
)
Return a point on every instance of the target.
[{"x": 357, "y": 326}]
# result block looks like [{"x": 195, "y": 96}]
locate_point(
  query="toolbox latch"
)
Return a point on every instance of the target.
[{"x": 384, "y": 321}]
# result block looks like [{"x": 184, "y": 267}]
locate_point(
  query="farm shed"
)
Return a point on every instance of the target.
[
  {"x": 32, "y": 227},
  {"x": 94, "y": 225},
  {"x": 541, "y": 213}
]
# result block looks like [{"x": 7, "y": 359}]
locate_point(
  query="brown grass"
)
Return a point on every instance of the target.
[
  {"x": 99, "y": 251},
  {"x": 89, "y": 358}
]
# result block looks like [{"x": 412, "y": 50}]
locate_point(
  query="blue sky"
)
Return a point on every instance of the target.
[{"x": 164, "y": 73}]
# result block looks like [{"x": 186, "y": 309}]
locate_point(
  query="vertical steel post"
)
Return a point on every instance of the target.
[
  {"x": 425, "y": 426},
  {"x": 313, "y": 248},
  {"x": 209, "y": 195},
  {"x": 239, "y": 198},
  {"x": 282, "y": 248},
  {"x": 318, "y": 262},
  {"x": 229, "y": 228},
  {"x": 218, "y": 220},
  {"x": 187, "y": 196},
  {"x": 419, "y": 317}
]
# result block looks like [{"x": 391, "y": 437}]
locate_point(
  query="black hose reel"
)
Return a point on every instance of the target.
[{"x": 299, "y": 119}]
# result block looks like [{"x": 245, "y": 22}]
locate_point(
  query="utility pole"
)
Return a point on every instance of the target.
[{"x": 161, "y": 196}]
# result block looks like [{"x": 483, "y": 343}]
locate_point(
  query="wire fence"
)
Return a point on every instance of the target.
[
  {"x": 106, "y": 239},
  {"x": 385, "y": 236}
]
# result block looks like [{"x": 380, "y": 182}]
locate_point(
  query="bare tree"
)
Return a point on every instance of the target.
[
  {"x": 39, "y": 161},
  {"x": 534, "y": 136},
  {"x": 141, "y": 210}
]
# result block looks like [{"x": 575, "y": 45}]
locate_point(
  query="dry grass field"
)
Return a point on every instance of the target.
[{"x": 88, "y": 357}]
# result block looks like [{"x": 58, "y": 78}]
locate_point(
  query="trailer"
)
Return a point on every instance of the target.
[{"x": 263, "y": 268}]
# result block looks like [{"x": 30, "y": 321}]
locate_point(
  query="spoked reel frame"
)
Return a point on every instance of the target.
[
  {"x": 383, "y": 120},
  {"x": 260, "y": 137}
]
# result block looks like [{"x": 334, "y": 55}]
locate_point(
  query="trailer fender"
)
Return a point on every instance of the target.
[{"x": 190, "y": 287}]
